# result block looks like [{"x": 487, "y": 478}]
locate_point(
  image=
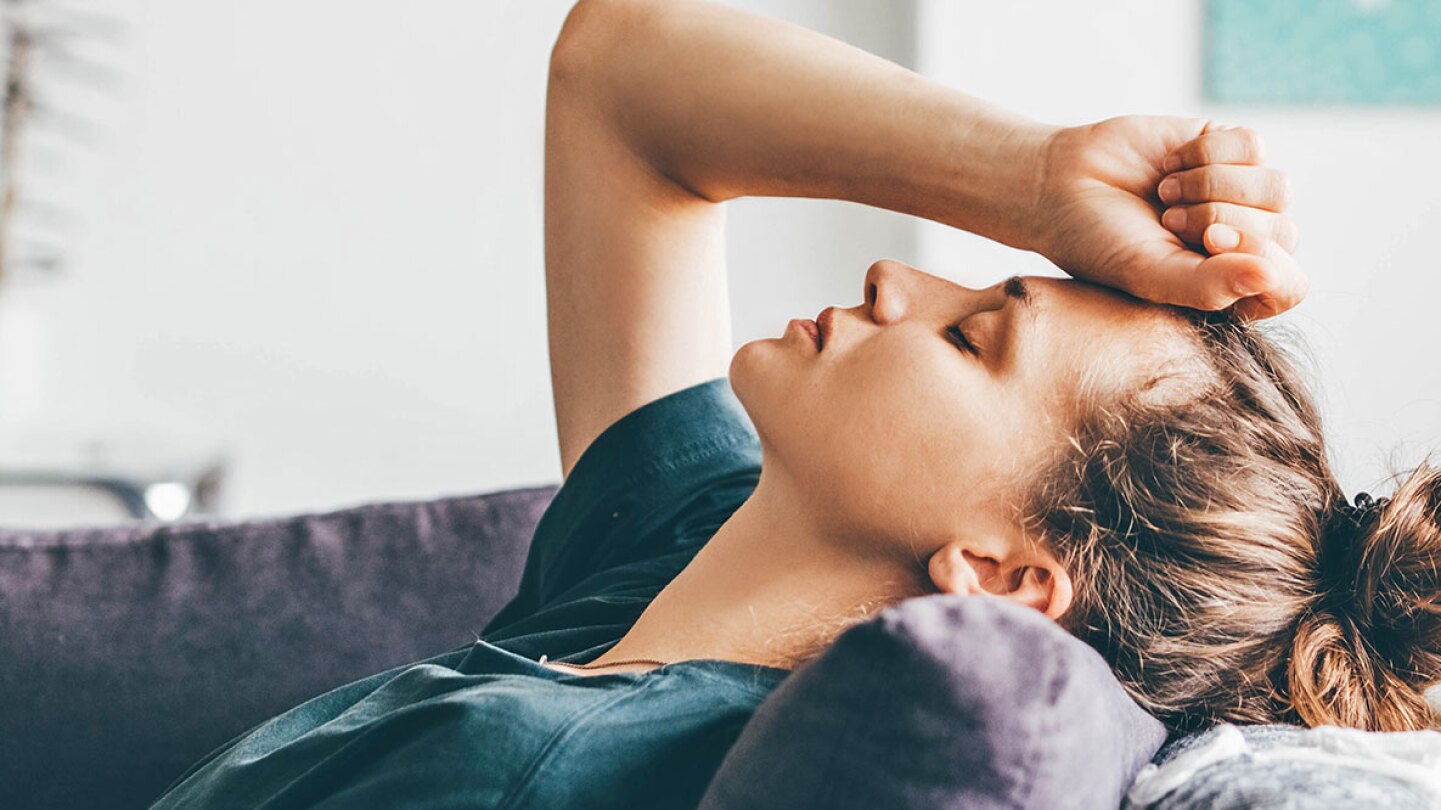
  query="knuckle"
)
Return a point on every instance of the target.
[
  {"x": 1251, "y": 142},
  {"x": 1208, "y": 214},
  {"x": 1200, "y": 150},
  {"x": 1203, "y": 184},
  {"x": 1281, "y": 189}
]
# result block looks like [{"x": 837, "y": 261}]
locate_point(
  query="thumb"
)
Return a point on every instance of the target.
[
  {"x": 1256, "y": 272},
  {"x": 1264, "y": 276}
]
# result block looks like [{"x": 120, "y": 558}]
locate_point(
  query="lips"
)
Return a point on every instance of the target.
[{"x": 810, "y": 329}]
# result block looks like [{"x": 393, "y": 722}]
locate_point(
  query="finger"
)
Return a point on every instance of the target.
[
  {"x": 1251, "y": 186},
  {"x": 1257, "y": 277},
  {"x": 1236, "y": 145},
  {"x": 1262, "y": 276},
  {"x": 1169, "y": 276},
  {"x": 1191, "y": 221},
  {"x": 1264, "y": 306}
]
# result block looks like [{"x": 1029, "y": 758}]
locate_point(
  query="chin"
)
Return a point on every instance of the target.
[
  {"x": 751, "y": 367},
  {"x": 757, "y": 375}
]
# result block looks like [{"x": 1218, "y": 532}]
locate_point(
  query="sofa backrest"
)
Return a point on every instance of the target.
[{"x": 128, "y": 653}]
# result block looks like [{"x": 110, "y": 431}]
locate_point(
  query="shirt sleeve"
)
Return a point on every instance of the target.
[{"x": 656, "y": 483}]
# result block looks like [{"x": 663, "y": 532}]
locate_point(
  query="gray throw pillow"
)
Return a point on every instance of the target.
[{"x": 942, "y": 701}]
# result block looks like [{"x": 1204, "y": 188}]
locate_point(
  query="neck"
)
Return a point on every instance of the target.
[{"x": 766, "y": 589}]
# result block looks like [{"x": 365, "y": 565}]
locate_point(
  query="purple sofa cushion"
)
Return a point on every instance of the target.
[
  {"x": 942, "y": 701},
  {"x": 127, "y": 653}
]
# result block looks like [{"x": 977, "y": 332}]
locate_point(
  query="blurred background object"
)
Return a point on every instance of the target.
[
  {"x": 312, "y": 242},
  {"x": 55, "y": 482},
  {"x": 38, "y": 39},
  {"x": 44, "y": 481},
  {"x": 1324, "y": 51}
]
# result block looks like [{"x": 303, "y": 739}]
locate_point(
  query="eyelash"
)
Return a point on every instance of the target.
[{"x": 962, "y": 342}]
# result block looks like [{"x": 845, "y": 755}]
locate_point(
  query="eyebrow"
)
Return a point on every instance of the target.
[
  {"x": 1017, "y": 290},
  {"x": 1015, "y": 287}
]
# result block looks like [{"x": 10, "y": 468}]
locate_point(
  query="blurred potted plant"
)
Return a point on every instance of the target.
[{"x": 36, "y": 36}]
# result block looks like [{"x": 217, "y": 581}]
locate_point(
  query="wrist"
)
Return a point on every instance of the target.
[
  {"x": 999, "y": 181},
  {"x": 1034, "y": 145}
]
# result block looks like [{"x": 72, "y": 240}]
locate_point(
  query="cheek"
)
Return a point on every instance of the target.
[
  {"x": 897, "y": 432},
  {"x": 892, "y": 432},
  {"x": 937, "y": 436},
  {"x": 906, "y": 394}
]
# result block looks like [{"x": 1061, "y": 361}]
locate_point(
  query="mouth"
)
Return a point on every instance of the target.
[{"x": 810, "y": 329}]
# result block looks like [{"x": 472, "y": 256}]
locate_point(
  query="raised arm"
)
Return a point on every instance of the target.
[{"x": 658, "y": 110}]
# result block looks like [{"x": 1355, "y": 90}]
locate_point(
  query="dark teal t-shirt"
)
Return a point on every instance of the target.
[{"x": 486, "y": 725}]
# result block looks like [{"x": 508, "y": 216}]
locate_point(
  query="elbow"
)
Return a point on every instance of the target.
[{"x": 586, "y": 39}]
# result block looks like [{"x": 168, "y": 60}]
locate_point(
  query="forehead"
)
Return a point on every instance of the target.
[
  {"x": 1067, "y": 297},
  {"x": 1087, "y": 332}
]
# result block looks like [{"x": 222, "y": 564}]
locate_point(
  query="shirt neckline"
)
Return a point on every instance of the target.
[{"x": 714, "y": 666}]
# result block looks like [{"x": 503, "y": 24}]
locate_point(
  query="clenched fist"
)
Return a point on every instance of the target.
[{"x": 1173, "y": 210}]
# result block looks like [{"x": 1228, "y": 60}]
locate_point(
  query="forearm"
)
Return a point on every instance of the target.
[{"x": 728, "y": 104}]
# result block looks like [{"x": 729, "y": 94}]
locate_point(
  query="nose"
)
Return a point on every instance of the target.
[{"x": 895, "y": 289}]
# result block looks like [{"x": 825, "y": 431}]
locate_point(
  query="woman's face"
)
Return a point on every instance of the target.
[{"x": 894, "y": 433}]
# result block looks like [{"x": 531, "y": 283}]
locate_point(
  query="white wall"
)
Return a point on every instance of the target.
[
  {"x": 309, "y": 235},
  {"x": 1367, "y": 196}
]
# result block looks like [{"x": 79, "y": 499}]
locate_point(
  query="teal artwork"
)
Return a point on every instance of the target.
[{"x": 1323, "y": 51}]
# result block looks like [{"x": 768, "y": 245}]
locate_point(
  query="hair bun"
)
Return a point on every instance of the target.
[
  {"x": 1364, "y": 656},
  {"x": 1342, "y": 559}
]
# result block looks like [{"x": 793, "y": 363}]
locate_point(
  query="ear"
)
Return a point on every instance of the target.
[{"x": 1033, "y": 578}]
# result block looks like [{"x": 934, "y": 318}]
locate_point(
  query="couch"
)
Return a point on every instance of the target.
[{"x": 128, "y": 652}]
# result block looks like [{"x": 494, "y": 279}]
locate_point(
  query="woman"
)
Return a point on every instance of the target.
[{"x": 1121, "y": 452}]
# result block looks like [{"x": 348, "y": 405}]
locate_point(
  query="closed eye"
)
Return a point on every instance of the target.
[{"x": 959, "y": 338}]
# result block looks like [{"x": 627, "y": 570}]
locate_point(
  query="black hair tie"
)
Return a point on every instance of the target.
[{"x": 1343, "y": 542}]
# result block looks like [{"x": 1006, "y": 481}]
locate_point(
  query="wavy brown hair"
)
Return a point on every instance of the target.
[{"x": 1213, "y": 563}]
